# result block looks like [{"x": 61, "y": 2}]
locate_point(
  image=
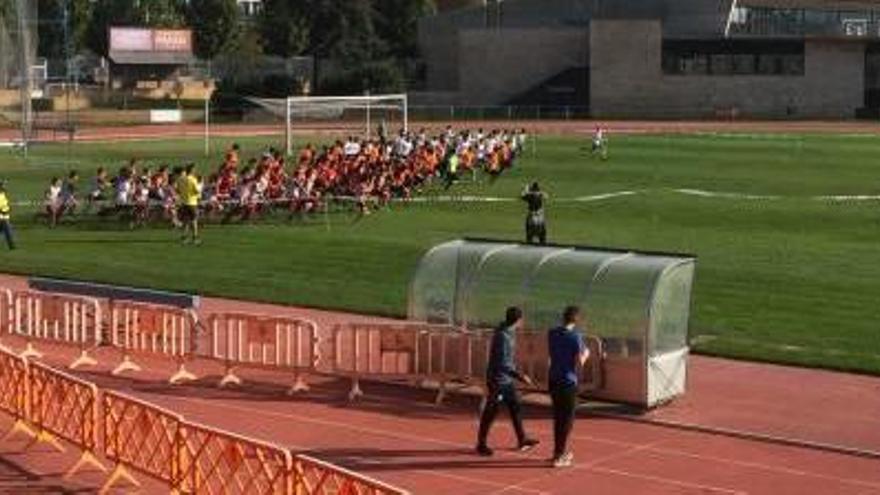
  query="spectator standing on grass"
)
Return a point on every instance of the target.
[
  {"x": 5, "y": 216},
  {"x": 189, "y": 193},
  {"x": 501, "y": 375},
  {"x": 567, "y": 353}
]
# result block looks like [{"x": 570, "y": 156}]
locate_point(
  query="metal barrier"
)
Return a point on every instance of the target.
[
  {"x": 248, "y": 340},
  {"x": 137, "y": 328},
  {"x": 533, "y": 359},
  {"x": 64, "y": 319},
  {"x": 13, "y": 392},
  {"x": 139, "y": 437},
  {"x": 7, "y": 312},
  {"x": 379, "y": 351},
  {"x": 65, "y": 407},
  {"x": 443, "y": 355},
  {"x": 451, "y": 357},
  {"x": 217, "y": 462},
  {"x": 314, "y": 477}
]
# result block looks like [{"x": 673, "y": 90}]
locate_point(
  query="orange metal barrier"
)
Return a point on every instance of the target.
[
  {"x": 65, "y": 407},
  {"x": 314, "y": 477},
  {"x": 65, "y": 319},
  {"x": 139, "y": 437},
  {"x": 13, "y": 392},
  {"x": 451, "y": 357},
  {"x": 138, "y": 328},
  {"x": 217, "y": 462},
  {"x": 240, "y": 339}
]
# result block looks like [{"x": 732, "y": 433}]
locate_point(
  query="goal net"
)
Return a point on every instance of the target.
[
  {"x": 18, "y": 49},
  {"x": 367, "y": 116}
]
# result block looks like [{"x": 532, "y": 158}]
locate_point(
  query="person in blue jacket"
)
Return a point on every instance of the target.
[{"x": 501, "y": 377}]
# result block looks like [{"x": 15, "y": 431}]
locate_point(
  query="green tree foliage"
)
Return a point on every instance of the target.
[
  {"x": 397, "y": 24},
  {"x": 284, "y": 27},
  {"x": 216, "y": 26},
  {"x": 52, "y": 29}
]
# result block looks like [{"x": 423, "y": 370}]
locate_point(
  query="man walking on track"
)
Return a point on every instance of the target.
[
  {"x": 500, "y": 377},
  {"x": 5, "y": 210},
  {"x": 567, "y": 353},
  {"x": 189, "y": 191}
]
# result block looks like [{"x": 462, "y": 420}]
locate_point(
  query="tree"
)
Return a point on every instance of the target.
[
  {"x": 53, "y": 32},
  {"x": 216, "y": 26},
  {"x": 397, "y": 24},
  {"x": 284, "y": 27}
]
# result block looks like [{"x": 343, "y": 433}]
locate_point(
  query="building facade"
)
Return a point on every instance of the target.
[{"x": 660, "y": 58}]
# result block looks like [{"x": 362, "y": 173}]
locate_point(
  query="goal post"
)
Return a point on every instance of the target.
[{"x": 350, "y": 114}]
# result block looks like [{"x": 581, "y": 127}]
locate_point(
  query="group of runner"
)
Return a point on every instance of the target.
[{"x": 365, "y": 173}]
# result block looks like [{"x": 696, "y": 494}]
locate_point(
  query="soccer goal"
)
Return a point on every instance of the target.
[{"x": 366, "y": 115}]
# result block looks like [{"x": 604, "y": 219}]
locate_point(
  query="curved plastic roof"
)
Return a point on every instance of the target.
[{"x": 471, "y": 283}]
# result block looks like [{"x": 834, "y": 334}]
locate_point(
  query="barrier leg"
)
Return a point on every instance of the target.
[
  {"x": 119, "y": 473},
  {"x": 47, "y": 438},
  {"x": 230, "y": 378},
  {"x": 355, "y": 393},
  {"x": 441, "y": 393},
  {"x": 30, "y": 352},
  {"x": 299, "y": 385},
  {"x": 182, "y": 375},
  {"x": 86, "y": 459},
  {"x": 83, "y": 360},
  {"x": 20, "y": 426},
  {"x": 126, "y": 365}
]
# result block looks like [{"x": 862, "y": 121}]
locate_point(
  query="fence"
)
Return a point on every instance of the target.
[
  {"x": 217, "y": 462},
  {"x": 65, "y": 407},
  {"x": 313, "y": 477},
  {"x": 139, "y": 437},
  {"x": 7, "y": 312},
  {"x": 13, "y": 392},
  {"x": 138, "y": 328},
  {"x": 70, "y": 320},
  {"x": 442, "y": 355},
  {"x": 248, "y": 340}
]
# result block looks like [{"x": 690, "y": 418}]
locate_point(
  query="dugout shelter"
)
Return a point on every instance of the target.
[{"x": 638, "y": 303}]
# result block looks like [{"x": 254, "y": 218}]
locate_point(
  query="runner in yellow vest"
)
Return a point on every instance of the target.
[
  {"x": 5, "y": 210},
  {"x": 189, "y": 191}
]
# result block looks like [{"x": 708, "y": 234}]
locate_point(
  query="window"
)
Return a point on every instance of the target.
[{"x": 733, "y": 57}]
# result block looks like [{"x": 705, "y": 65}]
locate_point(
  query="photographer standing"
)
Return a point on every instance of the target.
[{"x": 536, "y": 226}]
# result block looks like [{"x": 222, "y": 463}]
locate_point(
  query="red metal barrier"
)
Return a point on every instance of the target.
[
  {"x": 314, "y": 477},
  {"x": 65, "y": 407},
  {"x": 14, "y": 392},
  {"x": 213, "y": 461},
  {"x": 255, "y": 341},
  {"x": 71, "y": 320},
  {"x": 138, "y": 328},
  {"x": 139, "y": 437}
]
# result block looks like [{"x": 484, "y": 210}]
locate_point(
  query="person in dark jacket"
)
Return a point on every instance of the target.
[{"x": 501, "y": 377}]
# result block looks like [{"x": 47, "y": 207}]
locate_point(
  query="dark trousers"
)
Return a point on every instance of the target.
[
  {"x": 6, "y": 228},
  {"x": 498, "y": 394},
  {"x": 536, "y": 231},
  {"x": 564, "y": 404}
]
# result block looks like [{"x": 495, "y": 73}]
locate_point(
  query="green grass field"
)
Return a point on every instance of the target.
[{"x": 789, "y": 279}]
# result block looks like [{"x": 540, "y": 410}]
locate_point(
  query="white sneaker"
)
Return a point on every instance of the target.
[{"x": 564, "y": 461}]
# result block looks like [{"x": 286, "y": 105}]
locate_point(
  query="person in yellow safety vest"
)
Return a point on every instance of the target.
[
  {"x": 452, "y": 170},
  {"x": 5, "y": 210},
  {"x": 189, "y": 191}
]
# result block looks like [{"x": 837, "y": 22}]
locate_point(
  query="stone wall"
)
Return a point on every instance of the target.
[{"x": 627, "y": 80}]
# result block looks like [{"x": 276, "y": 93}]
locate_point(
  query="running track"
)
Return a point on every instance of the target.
[{"x": 395, "y": 434}]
